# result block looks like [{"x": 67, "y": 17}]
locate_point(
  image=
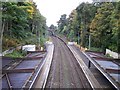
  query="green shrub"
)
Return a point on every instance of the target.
[
  {"x": 17, "y": 53},
  {"x": 96, "y": 49}
]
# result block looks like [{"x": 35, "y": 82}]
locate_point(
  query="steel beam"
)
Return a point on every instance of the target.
[{"x": 19, "y": 70}]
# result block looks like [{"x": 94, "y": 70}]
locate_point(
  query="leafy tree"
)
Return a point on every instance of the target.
[
  {"x": 72, "y": 25},
  {"x": 85, "y": 14},
  {"x": 115, "y": 21},
  {"x": 21, "y": 22},
  {"x": 100, "y": 20},
  {"x": 101, "y": 27},
  {"x": 62, "y": 22}
]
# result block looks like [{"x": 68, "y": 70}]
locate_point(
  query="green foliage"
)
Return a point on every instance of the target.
[
  {"x": 108, "y": 56},
  {"x": 9, "y": 42},
  {"x": 86, "y": 13},
  {"x": 96, "y": 49},
  {"x": 77, "y": 26},
  {"x": 103, "y": 27},
  {"x": 17, "y": 54},
  {"x": 62, "y": 22},
  {"x": 21, "y": 21},
  {"x": 100, "y": 20}
]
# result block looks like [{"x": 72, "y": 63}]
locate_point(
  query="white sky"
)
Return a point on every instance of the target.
[{"x": 53, "y": 9}]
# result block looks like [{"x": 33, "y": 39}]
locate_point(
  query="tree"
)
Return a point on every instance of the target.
[
  {"x": 115, "y": 22},
  {"x": 101, "y": 27},
  {"x": 20, "y": 22},
  {"x": 85, "y": 14},
  {"x": 62, "y": 22}
]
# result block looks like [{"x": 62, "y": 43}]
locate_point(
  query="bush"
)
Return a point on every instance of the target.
[
  {"x": 96, "y": 49},
  {"x": 17, "y": 53},
  {"x": 9, "y": 42}
]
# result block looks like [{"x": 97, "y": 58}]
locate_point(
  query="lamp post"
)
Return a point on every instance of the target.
[
  {"x": 89, "y": 41},
  {"x": 78, "y": 37}
]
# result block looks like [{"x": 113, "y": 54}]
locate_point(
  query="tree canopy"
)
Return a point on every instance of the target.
[
  {"x": 98, "y": 20},
  {"x": 21, "y": 23}
]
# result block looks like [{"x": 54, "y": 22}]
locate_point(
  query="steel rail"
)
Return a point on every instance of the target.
[
  {"x": 43, "y": 70},
  {"x": 19, "y": 70},
  {"x": 81, "y": 79},
  {"x": 8, "y": 81},
  {"x": 28, "y": 80},
  {"x": 24, "y": 86},
  {"x": 34, "y": 80},
  {"x": 91, "y": 79},
  {"x": 86, "y": 72}
]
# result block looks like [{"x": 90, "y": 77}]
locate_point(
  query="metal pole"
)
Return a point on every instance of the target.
[
  {"x": 89, "y": 41},
  {"x": 89, "y": 64},
  {"x": 39, "y": 38},
  {"x": 78, "y": 37},
  {"x": 1, "y": 36}
]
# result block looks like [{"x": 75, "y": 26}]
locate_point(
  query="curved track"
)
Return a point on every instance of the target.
[{"x": 65, "y": 72}]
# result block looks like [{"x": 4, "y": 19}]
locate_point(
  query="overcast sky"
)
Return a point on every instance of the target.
[{"x": 53, "y": 9}]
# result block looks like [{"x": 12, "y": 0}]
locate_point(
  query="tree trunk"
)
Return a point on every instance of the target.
[
  {"x": 1, "y": 35},
  {"x": 104, "y": 49},
  {"x": 3, "y": 26},
  {"x": 33, "y": 26}
]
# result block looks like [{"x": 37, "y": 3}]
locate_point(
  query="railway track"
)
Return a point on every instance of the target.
[
  {"x": 65, "y": 62},
  {"x": 65, "y": 71},
  {"x": 61, "y": 69}
]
